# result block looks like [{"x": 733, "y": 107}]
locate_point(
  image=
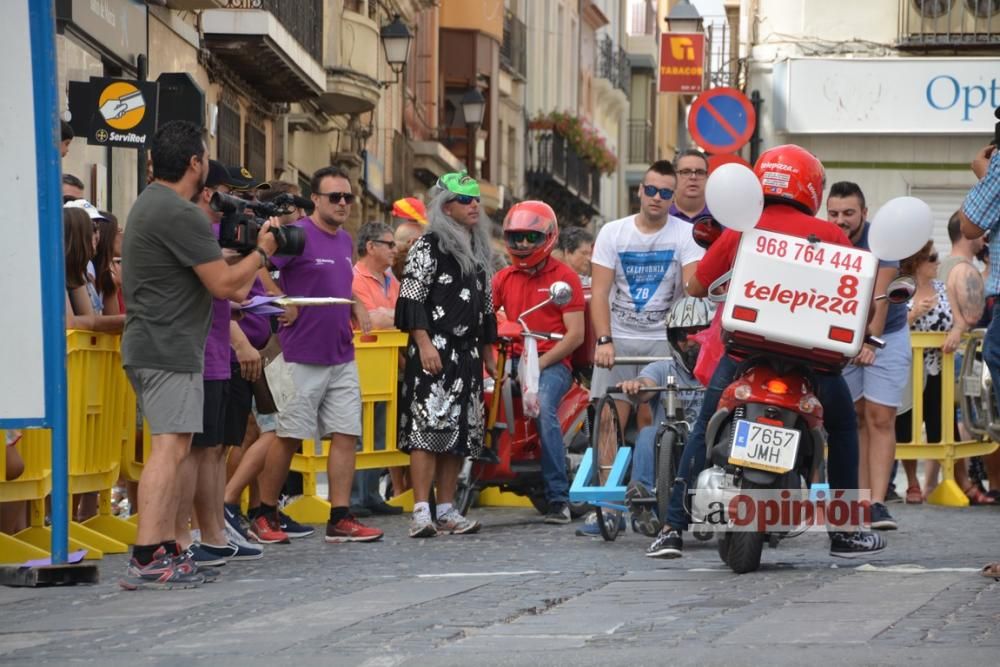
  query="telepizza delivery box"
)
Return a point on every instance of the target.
[{"x": 807, "y": 299}]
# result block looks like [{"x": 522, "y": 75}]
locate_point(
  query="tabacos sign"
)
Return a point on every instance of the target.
[{"x": 114, "y": 112}]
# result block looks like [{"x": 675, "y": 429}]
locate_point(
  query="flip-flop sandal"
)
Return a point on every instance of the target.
[{"x": 991, "y": 571}]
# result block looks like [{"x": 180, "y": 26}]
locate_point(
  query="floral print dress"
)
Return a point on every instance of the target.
[
  {"x": 939, "y": 319},
  {"x": 443, "y": 413}
]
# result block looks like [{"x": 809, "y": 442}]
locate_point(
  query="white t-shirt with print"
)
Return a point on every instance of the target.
[{"x": 648, "y": 276}]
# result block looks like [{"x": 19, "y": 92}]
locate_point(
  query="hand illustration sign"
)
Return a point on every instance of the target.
[
  {"x": 122, "y": 105},
  {"x": 115, "y": 109}
]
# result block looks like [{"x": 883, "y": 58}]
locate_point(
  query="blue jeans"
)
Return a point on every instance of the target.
[
  {"x": 991, "y": 350},
  {"x": 553, "y": 383},
  {"x": 839, "y": 419},
  {"x": 644, "y": 457}
]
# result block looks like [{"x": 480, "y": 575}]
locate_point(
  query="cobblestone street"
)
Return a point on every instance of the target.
[{"x": 523, "y": 592}]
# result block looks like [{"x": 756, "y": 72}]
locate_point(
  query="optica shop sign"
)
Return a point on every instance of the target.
[{"x": 886, "y": 96}]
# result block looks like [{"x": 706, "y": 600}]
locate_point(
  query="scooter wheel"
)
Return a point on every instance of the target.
[
  {"x": 703, "y": 534},
  {"x": 609, "y": 523}
]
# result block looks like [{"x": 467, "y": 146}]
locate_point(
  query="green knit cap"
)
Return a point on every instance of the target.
[{"x": 459, "y": 183}]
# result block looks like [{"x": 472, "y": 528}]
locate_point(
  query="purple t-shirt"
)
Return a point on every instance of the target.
[
  {"x": 217, "y": 343},
  {"x": 322, "y": 334},
  {"x": 256, "y": 327}
]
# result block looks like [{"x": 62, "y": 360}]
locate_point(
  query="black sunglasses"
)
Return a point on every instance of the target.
[
  {"x": 932, "y": 258},
  {"x": 336, "y": 197},
  {"x": 520, "y": 237},
  {"x": 390, "y": 244},
  {"x": 652, "y": 190},
  {"x": 464, "y": 200}
]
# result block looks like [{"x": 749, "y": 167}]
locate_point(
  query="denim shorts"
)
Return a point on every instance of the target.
[{"x": 885, "y": 380}]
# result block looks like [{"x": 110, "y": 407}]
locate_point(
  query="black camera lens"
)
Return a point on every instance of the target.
[{"x": 291, "y": 240}]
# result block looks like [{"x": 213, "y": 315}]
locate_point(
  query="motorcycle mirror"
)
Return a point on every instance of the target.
[
  {"x": 705, "y": 231},
  {"x": 900, "y": 290},
  {"x": 560, "y": 293}
]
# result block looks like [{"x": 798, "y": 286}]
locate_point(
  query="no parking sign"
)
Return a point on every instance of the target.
[{"x": 722, "y": 120}]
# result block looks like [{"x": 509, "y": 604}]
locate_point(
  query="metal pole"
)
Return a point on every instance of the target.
[
  {"x": 755, "y": 139},
  {"x": 142, "y": 71},
  {"x": 471, "y": 131},
  {"x": 43, "y": 63}
]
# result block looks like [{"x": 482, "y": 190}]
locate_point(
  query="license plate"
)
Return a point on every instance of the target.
[{"x": 764, "y": 447}]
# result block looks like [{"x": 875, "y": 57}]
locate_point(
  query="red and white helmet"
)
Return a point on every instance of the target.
[
  {"x": 792, "y": 173},
  {"x": 534, "y": 221}
]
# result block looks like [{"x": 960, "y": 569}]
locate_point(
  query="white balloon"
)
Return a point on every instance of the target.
[
  {"x": 900, "y": 228},
  {"x": 734, "y": 196}
]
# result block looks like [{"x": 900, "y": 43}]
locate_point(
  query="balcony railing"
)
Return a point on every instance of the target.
[
  {"x": 557, "y": 173},
  {"x": 513, "y": 50},
  {"x": 949, "y": 24},
  {"x": 613, "y": 65},
  {"x": 640, "y": 141},
  {"x": 303, "y": 19}
]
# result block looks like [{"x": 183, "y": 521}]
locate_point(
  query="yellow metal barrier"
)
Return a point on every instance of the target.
[
  {"x": 35, "y": 482},
  {"x": 947, "y": 451},
  {"x": 97, "y": 395},
  {"x": 377, "y": 356}
]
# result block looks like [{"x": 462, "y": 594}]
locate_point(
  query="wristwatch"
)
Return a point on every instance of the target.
[
  {"x": 604, "y": 340},
  {"x": 263, "y": 257}
]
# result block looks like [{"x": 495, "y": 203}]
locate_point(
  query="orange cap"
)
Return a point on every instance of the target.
[{"x": 410, "y": 208}]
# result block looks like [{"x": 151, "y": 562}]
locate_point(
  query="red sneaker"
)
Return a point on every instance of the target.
[
  {"x": 350, "y": 529},
  {"x": 267, "y": 530}
]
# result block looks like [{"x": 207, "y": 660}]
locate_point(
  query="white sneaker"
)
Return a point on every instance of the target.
[
  {"x": 421, "y": 524},
  {"x": 453, "y": 523},
  {"x": 233, "y": 536}
]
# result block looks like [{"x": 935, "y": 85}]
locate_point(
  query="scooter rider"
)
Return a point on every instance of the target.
[
  {"x": 688, "y": 317},
  {"x": 530, "y": 233},
  {"x": 793, "y": 181}
]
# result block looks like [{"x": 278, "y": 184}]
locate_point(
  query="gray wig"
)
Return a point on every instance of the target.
[{"x": 472, "y": 251}]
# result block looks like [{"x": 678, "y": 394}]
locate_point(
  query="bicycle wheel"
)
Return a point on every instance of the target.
[
  {"x": 604, "y": 442},
  {"x": 667, "y": 452}
]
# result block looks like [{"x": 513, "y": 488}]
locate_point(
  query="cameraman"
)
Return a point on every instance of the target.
[{"x": 173, "y": 267}]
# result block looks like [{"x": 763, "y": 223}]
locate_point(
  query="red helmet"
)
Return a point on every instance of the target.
[
  {"x": 791, "y": 172},
  {"x": 536, "y": 222}
]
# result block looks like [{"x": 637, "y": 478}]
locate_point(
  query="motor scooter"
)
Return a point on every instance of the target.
[
  {"x": 512, "y": 449},
  {"x": 767, "y": 433}
]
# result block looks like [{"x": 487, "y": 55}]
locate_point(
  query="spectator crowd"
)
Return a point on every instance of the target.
[{"x": 228, "y": 395}]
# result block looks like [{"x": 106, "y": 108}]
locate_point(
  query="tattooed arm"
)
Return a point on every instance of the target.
[{"x": 966, "y": 293}]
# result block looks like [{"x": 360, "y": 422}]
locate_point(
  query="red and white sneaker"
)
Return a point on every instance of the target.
[
  {"x": 266, "y": 530},
  {"x": 350, "y": 529}
]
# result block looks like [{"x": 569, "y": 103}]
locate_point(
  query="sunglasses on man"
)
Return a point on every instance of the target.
[
  {"x": 464, "y": 200},
  {"x": 337, "y": 197},
  {"x": 652, "y": 191}
]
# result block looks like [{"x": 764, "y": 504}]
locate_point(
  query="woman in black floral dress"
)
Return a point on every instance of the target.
[{"x": 445, "y": 303}]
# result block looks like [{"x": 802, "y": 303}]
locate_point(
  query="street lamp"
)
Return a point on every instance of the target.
[
  {"x": 396, "y": 38},
  {"x": 473, "y": 109},
  {"x": 684, "y": 17}
]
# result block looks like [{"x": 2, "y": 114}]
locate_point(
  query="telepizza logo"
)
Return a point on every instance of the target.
[{"x": 843, "y": 303}]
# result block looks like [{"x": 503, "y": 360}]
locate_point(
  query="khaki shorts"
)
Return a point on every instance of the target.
[
  {"x": 325, "y": 400},
  {"x": 171, "y": 402}
]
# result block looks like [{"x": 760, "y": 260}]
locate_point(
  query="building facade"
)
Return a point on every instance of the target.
[{"x": 897, "y": 96}]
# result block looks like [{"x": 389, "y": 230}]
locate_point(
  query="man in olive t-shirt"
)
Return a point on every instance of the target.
[{"x": 172, "y": 266}]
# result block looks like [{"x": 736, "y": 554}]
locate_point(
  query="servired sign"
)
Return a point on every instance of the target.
[
  {"x": 682, "y": 63},
  {"x": 790, "y": 291}
]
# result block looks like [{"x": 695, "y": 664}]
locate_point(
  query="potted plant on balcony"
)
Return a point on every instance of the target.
[{"x": 581, "y": 136}]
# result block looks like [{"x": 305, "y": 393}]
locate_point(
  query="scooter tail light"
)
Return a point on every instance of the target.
[
  {"x": 809, "y": 404},
  {"x": 742, "y": 392},
  {"x": 777, "y": 387}
]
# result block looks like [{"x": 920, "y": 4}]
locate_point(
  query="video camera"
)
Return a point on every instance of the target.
[{"x": 242, "y": 220}]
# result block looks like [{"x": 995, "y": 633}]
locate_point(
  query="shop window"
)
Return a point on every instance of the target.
[
  {"x": 256, "y": 152},
  {"x": 228, "y": 130}
]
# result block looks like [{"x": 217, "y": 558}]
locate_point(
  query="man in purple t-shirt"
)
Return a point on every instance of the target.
[{"x": 319, "y": 348}]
